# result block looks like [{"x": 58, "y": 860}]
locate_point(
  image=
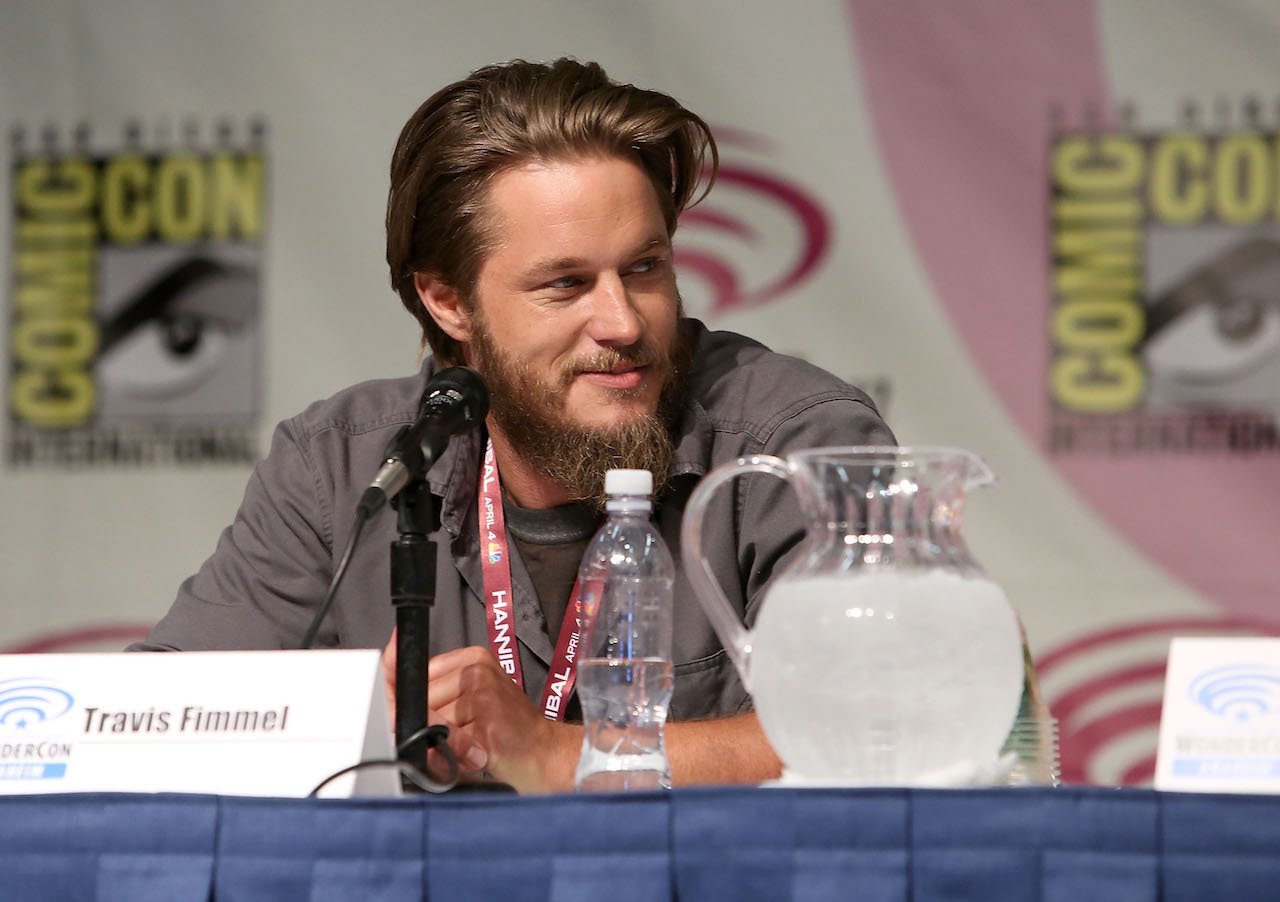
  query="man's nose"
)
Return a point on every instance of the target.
[{"x": 614, "y": 319}]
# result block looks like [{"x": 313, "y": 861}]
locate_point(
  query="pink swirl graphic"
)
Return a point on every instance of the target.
[
  {"x": 108, "y": 636},
  {"x": 1108, "y": 712},
  {"x": 722, "y": 275}
]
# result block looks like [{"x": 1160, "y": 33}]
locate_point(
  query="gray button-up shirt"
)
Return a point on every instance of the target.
[{"x": 272, "y": 566}]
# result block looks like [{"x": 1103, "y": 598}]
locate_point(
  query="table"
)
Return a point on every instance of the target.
[{"x": 1075, "y": 843}]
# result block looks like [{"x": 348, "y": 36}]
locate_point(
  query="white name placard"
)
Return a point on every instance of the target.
[
  {"x": 232, "y": 723},
  {"x": 1220, "y": 724}
]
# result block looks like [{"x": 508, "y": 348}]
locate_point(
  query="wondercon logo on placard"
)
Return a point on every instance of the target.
[
  {"x": 1239, "y": 692},
  {"x": 27, "y": 702},
  {"x": 756, "y": 237},
  {"x": 1165, "y": 252},
  {"x": 136, "y": 297}
]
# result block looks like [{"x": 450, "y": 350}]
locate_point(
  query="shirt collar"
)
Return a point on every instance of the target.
[
  {"x": 693, "y": 433},
  {"x": 455, "y": 477},
  {"x": 693, "y": 441}
]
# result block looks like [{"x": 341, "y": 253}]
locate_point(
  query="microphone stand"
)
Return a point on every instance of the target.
[
  {"x": 454, "y": 400},
  {"x": 413, "y": 593}
]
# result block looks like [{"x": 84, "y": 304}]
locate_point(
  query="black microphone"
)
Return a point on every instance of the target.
[{"x": 454, "y": 400}]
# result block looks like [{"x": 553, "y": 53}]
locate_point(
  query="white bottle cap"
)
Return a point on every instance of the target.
[{"x": 628, "y": 482}]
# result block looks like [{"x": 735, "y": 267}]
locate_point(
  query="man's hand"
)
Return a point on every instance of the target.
[
  {"x": 471, "y": 761},
  {"x": 492, "y": 720},
  {"x": 493, "y": 726}
]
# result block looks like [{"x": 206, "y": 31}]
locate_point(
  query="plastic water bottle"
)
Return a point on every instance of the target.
[{"x": 624, "y": 672}]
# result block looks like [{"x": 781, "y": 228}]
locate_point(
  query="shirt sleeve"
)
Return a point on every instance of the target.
[{"x": 269, "y": 573}]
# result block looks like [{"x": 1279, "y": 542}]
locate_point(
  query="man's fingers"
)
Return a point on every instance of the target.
[
  {"x": 460, "y": 674},
  {"x": 448, "y": 714},
  {"x": 444, "y": 691},
  {"x": 451, "y": 676},
  {"x": 463, "y": 696},
  {"x": 476, "y": 708},
  {"x": 448, "y": 689},
  {"x": 467, "y": 688},
  {"x": 450, "y": 661},
  {"x": 470, "y": 754},
  {"x": 480, "y": 703},
  {"x": 461, "y": 741}
]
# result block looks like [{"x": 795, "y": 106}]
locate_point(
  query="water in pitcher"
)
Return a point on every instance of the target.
[
  {"x": 624, "y": 706},
  {"x": 911, "y": 673}
]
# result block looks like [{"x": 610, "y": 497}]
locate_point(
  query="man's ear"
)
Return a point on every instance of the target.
[{"x": 444, "y": 305}]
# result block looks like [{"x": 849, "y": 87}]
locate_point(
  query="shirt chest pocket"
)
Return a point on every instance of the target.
[{"x": 708, "y": 687}]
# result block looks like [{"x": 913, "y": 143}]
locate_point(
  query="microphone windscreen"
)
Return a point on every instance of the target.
[{"x": 464, "y": 382}]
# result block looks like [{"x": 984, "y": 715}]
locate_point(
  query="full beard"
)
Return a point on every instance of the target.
[{"x": 531, "y": 414}]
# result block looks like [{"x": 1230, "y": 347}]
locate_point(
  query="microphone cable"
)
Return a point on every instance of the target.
[
  {"x": 371, "y": 501},
  {"x": 454, "y": 400},
  {"x": 357, "y": 527},
  {"x": 418, "y": 777}
]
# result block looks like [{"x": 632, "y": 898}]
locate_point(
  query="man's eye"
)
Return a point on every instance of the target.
[
  {"x": 565, "y": 283},
  {"x": 647, "y": 265}
]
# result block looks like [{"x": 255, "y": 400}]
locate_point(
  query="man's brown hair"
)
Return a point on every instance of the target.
[{"x": 504, "y": 116}]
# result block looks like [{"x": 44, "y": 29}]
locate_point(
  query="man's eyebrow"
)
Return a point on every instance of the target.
[
  {"x": 659, "y": 241},
  {"x": 555, "y": 265}
]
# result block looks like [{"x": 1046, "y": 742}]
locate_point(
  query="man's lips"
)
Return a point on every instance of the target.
[{"x": 626, "y": 376}]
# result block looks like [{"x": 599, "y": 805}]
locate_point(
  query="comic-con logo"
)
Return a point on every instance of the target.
[
  {"x": 1166, "y": 291},
  {"x": 135, "y": 298}
]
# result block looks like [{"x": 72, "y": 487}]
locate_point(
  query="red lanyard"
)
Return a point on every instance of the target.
[{"x": 495, "y": 566}]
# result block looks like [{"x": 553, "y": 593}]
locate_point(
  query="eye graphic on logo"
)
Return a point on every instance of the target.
[
  {"x": 756, "y": 237},
  {"x": 1237, "y": 691},
  {"x": 28, "y": 701},
  {"x": 168, "y": 339},
  {"x": 1214, "y": 337}
]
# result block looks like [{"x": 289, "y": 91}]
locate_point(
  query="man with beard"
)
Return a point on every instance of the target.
[{"x": 529, "y": 230}]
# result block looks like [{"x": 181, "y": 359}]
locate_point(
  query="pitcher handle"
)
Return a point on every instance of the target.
[{"x": 732, "y": 632}]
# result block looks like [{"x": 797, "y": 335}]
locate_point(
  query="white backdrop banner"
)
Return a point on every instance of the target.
[{"x": 1046, "y": 232}]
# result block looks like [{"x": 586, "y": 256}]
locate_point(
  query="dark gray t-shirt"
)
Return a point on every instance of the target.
[
  {"x": 271, "y": 568},
  {"x": 551, "y": 544}
]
